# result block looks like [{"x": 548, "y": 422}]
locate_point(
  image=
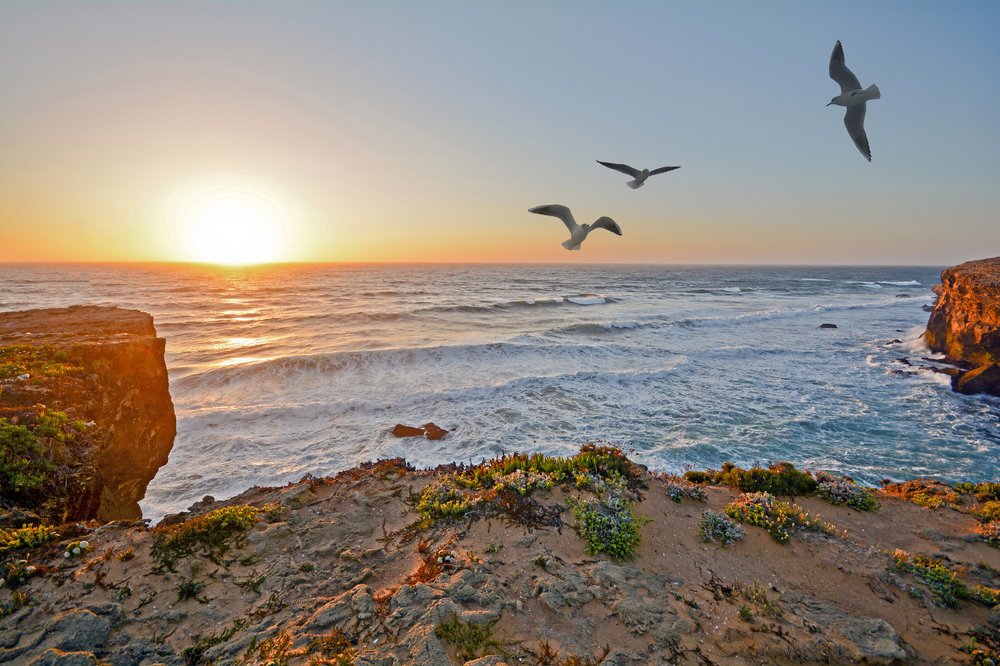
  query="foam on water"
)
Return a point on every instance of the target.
[{"x": 283, "y": 371}]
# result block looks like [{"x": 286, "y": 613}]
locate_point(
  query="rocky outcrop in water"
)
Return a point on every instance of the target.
[
  {"x": 965, "y": 323},
  {"x": 91, "y": 383}
]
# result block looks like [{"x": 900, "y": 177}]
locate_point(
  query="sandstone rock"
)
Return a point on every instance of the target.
[
  {"x": 965, "y": 322},
  {"x": 434, "y": 432},
  {"x": 984, "y": 379},
  {"x": 122, "y": 389},
  {"x": 407, "y": 431}
]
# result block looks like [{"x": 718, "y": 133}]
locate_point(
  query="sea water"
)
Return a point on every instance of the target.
[{"x": 281, "y": 371}]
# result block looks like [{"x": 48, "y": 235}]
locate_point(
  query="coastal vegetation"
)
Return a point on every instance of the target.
[
  {"x": 945, "y": 583},
  {"x": 780, "y": 519},
  {"x": 25, "y": 362},
  {"x": 210, "y": 535},
  {"x": 502, "y": 486}
]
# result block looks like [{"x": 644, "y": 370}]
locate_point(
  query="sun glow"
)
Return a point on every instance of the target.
[{"x": 226, "y": 220}]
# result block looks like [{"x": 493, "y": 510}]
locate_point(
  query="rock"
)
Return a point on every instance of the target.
[
  {"x": 489, "y": 660},
  {"x": 121, "y": 388},
  {"x": 894, "y": 341},
  {"x": 828, "y": 326},
  {"x": 984, "y": 379},
  {"x": 407, "y": 431},
  {"x": 433, "y": 432},
  {"x": 54, "y": 657},
  {"x": 965, "y": 322},
  {"x": 80, "y": 630},
  {"x": 868, "y": 639}
]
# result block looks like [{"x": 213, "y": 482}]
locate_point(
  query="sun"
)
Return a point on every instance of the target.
[{"x": 232, "y": 221}]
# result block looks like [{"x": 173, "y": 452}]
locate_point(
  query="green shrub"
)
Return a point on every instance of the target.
[
  {"x": 982, "y": 491},
  {"x": 210, "y": 534},
  {"x": 23, "y": 465},
  {"x": 607, "y": 522},
  {"x": 469, "y": 640},
  {"x": 777, "y": 517},
  {"x": 945, "y": 583},
  {"x": 699, "y": 477},
  {"x": 34, "y": 361},
  {"x": 989, "y": 512},
  {"x": 718, "y": 527},
  {"x": 28, "y": 536},
  {"x": 843, "y": 490}
]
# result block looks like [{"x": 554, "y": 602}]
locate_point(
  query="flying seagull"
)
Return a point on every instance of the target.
[
  {"x": 854, "y": 98},
  {"x": 577, "y": 231},
  {"x": 640, "y": 176}
]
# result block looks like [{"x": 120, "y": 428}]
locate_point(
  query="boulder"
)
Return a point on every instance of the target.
[
  {"x": 434, "y": 432},
  {"x": 828, "y": 326},
  {"x": 984, "y": 379},
  {"x": 407, "y": 431}
]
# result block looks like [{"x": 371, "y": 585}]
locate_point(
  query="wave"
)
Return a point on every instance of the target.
[
  {"x": 597, "y": 328},
  {"x": 759, "y": 315},
  {"x": 901, "y": 283}
]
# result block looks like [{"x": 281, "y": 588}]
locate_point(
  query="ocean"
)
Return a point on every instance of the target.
[{"x": 281, "y": 371}]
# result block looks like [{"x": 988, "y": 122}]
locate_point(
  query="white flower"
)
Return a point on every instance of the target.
[
  {"x": 440, "y": 560},
  {"x": 30, "y": 570},
  {"x": 66, "y": 554},
  {"x": 84, "y": 545},
  {"x": 76, "y": 551}
]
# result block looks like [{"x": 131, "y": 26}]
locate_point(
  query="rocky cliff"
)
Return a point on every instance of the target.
[
  {"x": 90, "y": 383},
  {"x": 965, "y": 323}
]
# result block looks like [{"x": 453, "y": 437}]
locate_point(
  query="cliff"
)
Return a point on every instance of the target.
[
  {"x": 384, "y": 565},
  {"x": 90, "y": 383},
  {"x": 965, "y": 323}
]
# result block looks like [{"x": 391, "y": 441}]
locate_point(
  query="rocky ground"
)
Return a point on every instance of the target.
[{"x": 345, "y": 570}]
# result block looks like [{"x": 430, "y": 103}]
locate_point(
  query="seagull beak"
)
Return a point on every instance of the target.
[{"x": 829, "y": 103}]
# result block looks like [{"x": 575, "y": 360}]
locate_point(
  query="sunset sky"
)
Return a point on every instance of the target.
[{"x": 423, "y": 131}]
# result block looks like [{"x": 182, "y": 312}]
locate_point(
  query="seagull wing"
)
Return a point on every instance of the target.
[
  {"x": 557, "y": 210},
  {"x": 854, "y": 121},
  {"x": 662, "y": 170},
  {"x": 624, "y": 168},
  {"x": 839, "y": 71},
  {"x": 607, "y": 223}
]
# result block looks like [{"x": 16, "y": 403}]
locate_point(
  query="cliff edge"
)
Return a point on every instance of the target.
[
  {"x": 965, "y": 323},
  {"x": 87, "y": 418}
]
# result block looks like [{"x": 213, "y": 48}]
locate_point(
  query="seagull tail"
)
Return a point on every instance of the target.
[
  {"x": 634, "y": 184},
  {"x": 872, "y": 92},
  {"x": 570, "y": 246}
]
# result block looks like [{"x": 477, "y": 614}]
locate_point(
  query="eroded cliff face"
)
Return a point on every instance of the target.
[
  {"x": 112, "y": 379},
  {"x": 965, "y": 323}
]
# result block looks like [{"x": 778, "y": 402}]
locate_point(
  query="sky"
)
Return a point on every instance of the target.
[{"x": 350, "y": 130}]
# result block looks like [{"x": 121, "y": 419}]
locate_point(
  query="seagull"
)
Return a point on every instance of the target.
[
  {"x": 577, "y": 231},
  {"x": 640, "y": 176},
  {"x": 853, "y": 97}
]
